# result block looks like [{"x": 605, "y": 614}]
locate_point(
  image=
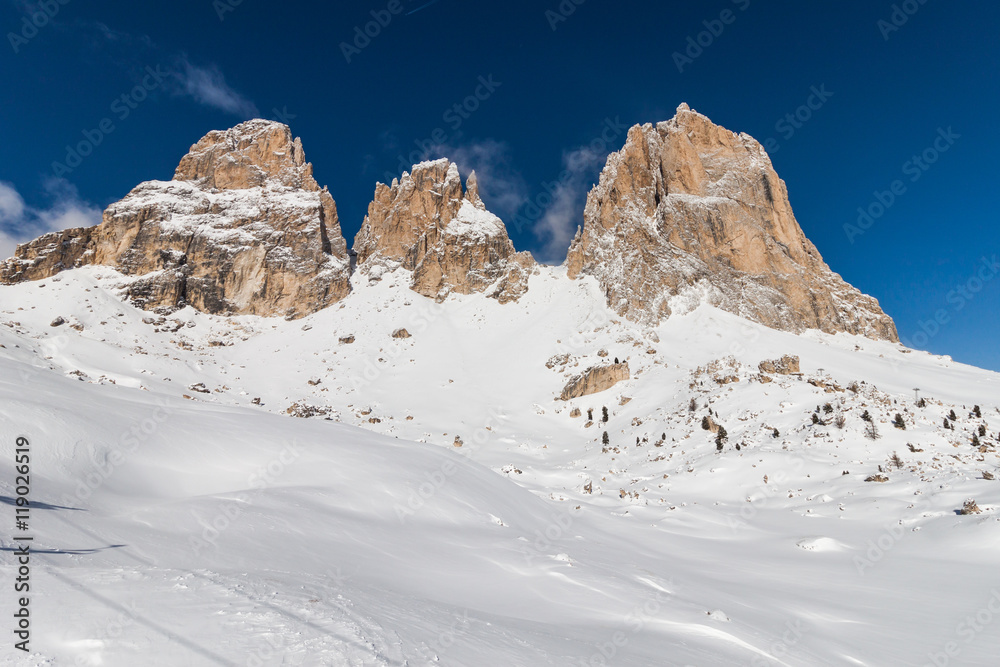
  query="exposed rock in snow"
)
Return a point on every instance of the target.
[
  {"x": 689, "y": 212},
  {"x": 426, "y": 224},
  {"x": 594, "y": 380},
  {"x": 242, "y": 229}
]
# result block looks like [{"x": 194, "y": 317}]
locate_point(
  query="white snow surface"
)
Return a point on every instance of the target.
[{"x": 177, "y": 527}]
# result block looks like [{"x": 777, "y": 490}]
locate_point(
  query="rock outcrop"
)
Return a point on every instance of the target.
[
  {"x": 689, "y": 212},
  {"x": 594, "y": 380},
  {"x": 787, "y": 365},
  {"x": 242, "y": 229},
  {"x": 424, "y": 223}
]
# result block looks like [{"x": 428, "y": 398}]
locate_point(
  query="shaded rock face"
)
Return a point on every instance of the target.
[
  {"x": 424, "y": 223},
  {"x": 689, "y": 212},
  {"x": 594, "y": 380},
  {"x": 242, "y": 229}
]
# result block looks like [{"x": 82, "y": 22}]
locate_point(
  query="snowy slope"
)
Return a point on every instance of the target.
[{"x": 234, "y": 533}]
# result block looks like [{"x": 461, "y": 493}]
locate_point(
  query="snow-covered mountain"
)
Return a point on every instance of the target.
[{"x": 420, "y": 473}]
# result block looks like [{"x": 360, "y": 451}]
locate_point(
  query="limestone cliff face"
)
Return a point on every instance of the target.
[
  {"x": 426, "y": 224},
  {"x": 242, "y": 229},
  {"x": 689, "y": 212}
]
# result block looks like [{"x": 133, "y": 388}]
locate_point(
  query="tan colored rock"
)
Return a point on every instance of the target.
[
  {"x": 242, "y": 229},
  {"x": 787, "y": 365},
  {"x": 594, "y": 380},
  {"x": 48, "y": 255},
  {"x": 574, "y": 413},
  {"x": 424, "y": 223},
  {"x": 689, "y": 212},
  {"x": 401, "y": 333}
]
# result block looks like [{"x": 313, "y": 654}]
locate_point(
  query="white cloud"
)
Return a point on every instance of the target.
[
  {"x": 502, "y": 188},
  {"x": 207, "y": 86},
  {"x": 20, "y": 223},
  {"x": 558, "y": 223}
]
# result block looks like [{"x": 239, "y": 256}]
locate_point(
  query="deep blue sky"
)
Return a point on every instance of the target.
[{"x": 608, "y": 60}]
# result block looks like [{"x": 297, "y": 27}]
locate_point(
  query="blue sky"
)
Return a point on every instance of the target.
[{"x": 543, "y": 90}]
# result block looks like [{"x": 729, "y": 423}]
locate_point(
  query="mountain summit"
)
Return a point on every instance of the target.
[
  {"x": 689, "y": 212},
  {"x": 686, "y": 213}
]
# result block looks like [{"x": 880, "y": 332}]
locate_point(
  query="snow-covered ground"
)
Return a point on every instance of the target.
[{"x": 182, "y": 516}]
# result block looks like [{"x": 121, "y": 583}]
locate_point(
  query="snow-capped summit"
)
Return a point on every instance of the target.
[{"x": 425, "y": 223}]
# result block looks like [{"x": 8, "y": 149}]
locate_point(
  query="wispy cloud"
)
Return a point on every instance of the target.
[
  {"x": 207, "y": 85},
  {"x": 556, "y": 227},
  {"x": 20, "y": 223},
  {"x": 501, "y": 186}
]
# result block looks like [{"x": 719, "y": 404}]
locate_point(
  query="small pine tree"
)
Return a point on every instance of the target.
[
  {"x": 815, "y": 418},
  {"x": 721, "y": 438},
  {"x": 952, "y": 416},
  {"x": 871, "y": 431},
  {"x": 947, "y": 424},
  {"x": 604, "y": 414},
  {"x": 705, "y": 424},
  {"x": 866, "y": 417},
  {"x": 605, "y": 439},
  {"x": 590, "y": 414},
  {"x": 775, "y": 433},
  {"x": 975, "y": 440},
  {"x": 827, "y": 408},
  {"x": 922, "y": 403},
  {"x": 982, "y": 431},
  {"x": 899, "y": 422},
  {"x": 976, "y": 411},
  {"x": 693, "y": 406}
]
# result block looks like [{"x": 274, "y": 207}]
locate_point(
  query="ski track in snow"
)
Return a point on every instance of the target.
[{"x": 190, "y": 520}]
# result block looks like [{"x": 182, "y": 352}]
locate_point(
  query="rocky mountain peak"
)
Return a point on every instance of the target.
[
  {"x": 243, "y": 228},
  {"x": 252, "y": 154},
  {"x": 426, "y": 223},
  {"x": 690, "y": 212}
]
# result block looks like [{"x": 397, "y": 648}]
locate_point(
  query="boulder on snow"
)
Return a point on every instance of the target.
[
  {"x": 595, "y": 379},
  {"x": 787, "y": 365}
]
